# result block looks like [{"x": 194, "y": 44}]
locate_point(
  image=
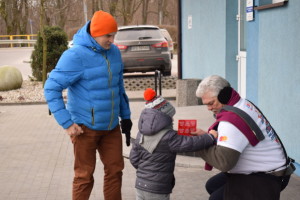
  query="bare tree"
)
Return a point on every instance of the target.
[
  {"x": 165, "y": 12},
  {"x": 42, "y": 25},
  {"x": 145, "y": 6},
  {"x": 76, "y": 16},
  {"x": 97, "y": 5},
  {"x": 113, "y": 4},
  {"x": 23, "y": 17},
  {"x": 162, "y": 11},
  {"x": 15, "y": 15},
  {"x": 62, "y": 10},
  {"x": 57, "y": 12},
  {"x": 128, "y": 9}
]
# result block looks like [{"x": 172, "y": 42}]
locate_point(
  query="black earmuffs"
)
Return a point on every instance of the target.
[{"x": 224, "y": 95}]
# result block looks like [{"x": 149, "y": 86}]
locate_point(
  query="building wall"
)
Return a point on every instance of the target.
[
  {"x": 273, "y": 78},
  {"x": 210, "y": 45}
]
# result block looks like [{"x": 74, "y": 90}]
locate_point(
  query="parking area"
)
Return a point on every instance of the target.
[{"x": 20, "y": 58}]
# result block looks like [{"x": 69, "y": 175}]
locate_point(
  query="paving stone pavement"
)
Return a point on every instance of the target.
[{"x": 36, "y": 159}]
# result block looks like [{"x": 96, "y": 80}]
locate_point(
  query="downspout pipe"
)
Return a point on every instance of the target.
[{"x": 179, "y": 41}]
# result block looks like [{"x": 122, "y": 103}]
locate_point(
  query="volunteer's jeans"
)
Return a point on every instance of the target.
[
  {"x": 246, "y": 187},
  {"x": 215, "y": 186},
  {"x": 109, "y": 146}
]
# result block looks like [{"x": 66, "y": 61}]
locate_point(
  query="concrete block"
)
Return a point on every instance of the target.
[{"x": 186, "y": 92}]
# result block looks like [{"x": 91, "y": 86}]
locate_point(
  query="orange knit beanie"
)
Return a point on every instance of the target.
[
  {"x": 158, "y": 102},
  {"x": 102, "y": 23}
]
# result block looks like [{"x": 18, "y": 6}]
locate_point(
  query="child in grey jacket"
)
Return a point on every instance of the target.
[{"x": 154, "y": 151}]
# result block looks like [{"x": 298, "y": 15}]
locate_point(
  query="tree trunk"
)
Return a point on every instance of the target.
[
  {"x": 69, "y": 15},
  {"x": 165, "y": 12},
  {"x": 113, "y": 7},
  {"x": 63, "y": 7},
  {"x": 128, "y": 9},
  {"x": 97, "y": 5},
  {"x": 4, "y": 15},
  {"x": 42, "y": 15},
  {"x": 145, "y": 7},
  {"x": 24, "y": 18}
]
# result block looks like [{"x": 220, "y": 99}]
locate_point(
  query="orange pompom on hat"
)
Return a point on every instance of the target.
[
  {"x": 158, "y": 102},
  {"x": 102, "y": 23}
]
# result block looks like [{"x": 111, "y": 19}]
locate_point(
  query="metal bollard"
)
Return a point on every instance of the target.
[{"x": 157, "y": 76}]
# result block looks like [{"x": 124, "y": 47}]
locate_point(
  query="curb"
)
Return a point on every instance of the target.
[{"x": 134, "y": 99}]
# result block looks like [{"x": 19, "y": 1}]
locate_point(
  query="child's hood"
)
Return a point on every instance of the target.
[{"x": 152, "y": 121}]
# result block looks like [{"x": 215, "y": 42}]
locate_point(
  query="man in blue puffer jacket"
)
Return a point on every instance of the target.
[{"x": 92, "y": 72}]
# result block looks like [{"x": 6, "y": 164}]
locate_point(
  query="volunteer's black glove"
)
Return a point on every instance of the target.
[{"x": 126, "y": 125}]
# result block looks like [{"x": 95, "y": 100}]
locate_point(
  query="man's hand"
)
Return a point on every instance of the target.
[
  {"x": 198, "y": 132},
  {"x": 214, "y": 133},
  {"x": 126, "y": 125},
  {"x": 74, "y": 130}
]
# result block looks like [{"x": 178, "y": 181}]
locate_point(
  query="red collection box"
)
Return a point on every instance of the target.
[{"x": 185, "y": 126}]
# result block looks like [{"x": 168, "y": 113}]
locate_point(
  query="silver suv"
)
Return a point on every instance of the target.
[
  {"x": 168, "y": 37},
  {"x": 143, "y": 49}
]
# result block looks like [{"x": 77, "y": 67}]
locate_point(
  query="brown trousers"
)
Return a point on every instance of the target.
[{"x": 109, "y": 146}]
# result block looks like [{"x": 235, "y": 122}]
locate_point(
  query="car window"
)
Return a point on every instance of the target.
[
  {"x": 138, "y": 34},
  {"x": 166, "y": 34}
]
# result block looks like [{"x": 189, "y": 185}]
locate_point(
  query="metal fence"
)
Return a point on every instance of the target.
[{"x": 17, "y": 40}]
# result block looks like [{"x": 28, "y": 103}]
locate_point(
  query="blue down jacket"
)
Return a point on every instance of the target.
[
  {"x": 155, "y": 171},
  {"x": 93, "y": 77}
]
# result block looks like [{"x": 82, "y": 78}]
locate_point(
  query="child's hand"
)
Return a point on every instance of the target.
[
  {"x": 198, "y": 132},
  {"x": 214, "y": 133}
]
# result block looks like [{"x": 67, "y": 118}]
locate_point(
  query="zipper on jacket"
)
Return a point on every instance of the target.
[
  {"x": 112, "y": 92},
  {"x": 93, "y": 116}
]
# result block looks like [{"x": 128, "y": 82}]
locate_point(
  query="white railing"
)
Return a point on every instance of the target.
[{"x": 12, "y": 40}]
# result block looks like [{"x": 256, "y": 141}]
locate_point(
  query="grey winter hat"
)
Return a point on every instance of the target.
[{"x": 158, "y": 102}]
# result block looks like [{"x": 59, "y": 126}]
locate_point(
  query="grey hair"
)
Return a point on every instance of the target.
[{"x": 212, "y": 84}]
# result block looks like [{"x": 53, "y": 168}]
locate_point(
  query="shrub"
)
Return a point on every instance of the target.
[
  {"x": 56, "y": 44},
  {"x": 10, "y": 78}
]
